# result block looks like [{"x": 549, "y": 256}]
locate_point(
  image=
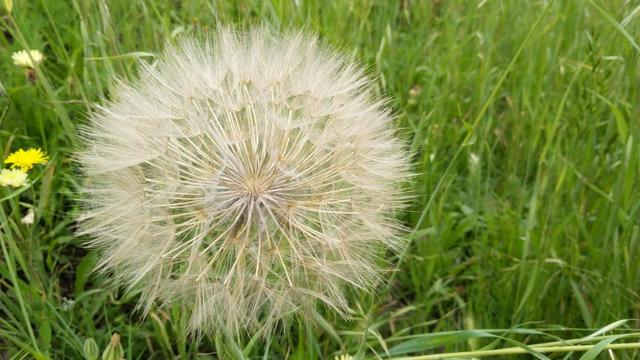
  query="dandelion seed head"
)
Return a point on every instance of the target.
[{"x": 247, "y": 177}]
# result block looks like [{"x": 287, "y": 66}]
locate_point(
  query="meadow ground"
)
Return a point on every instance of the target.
[{"x": 522, "y": 120}]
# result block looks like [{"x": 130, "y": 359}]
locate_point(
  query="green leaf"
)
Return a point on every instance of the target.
[
  {"x": 83, "y": 271},
  {"x": 44, "y": 335},
  {"x": 621, "y": 124},
  {"x": 432, "y": 341},
  {"x": 599, "y": 347},
  {"x": 582, "y": 304}
]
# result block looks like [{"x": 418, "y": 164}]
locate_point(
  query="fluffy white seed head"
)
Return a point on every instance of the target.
[{"x": 246, "y": 177}]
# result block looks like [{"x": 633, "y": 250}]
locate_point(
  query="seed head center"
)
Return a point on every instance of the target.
[{"x": 255, "y": 187}]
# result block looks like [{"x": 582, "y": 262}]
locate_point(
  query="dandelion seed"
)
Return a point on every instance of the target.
[
  {"x": 12, "y": 177},
  {"x": 247, "y": 178},
  {"x": 27, "y": 59},
  {"x": 25, "y": 159}
]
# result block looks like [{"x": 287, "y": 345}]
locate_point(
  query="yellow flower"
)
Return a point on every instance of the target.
[
  {"x": 28, "y": 59},
  {"x": 26, "y": 159},
  {"x": 13, "y": 177}
]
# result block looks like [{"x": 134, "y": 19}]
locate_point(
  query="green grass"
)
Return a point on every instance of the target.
[{"x": 523, "y": 125}]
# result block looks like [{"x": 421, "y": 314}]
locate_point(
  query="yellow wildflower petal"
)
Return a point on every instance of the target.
[
  {"x": 13, "y": 177},
  {"x": 26, "y": 159},
  {"x": 28, "y": 59}
]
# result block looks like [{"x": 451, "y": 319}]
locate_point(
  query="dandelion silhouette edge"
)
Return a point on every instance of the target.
[{"x": 247, "y": 177}]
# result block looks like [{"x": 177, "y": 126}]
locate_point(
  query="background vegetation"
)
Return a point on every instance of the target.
[{"x": 522, "y": 118}]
